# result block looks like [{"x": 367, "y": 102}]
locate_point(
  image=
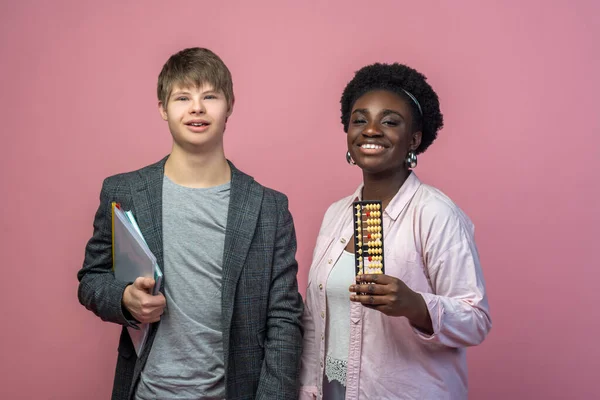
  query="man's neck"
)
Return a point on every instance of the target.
[{"x": 197, "y": 170}]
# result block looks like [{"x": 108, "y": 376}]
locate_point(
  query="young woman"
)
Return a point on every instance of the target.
[{"x": 401, "y": 335}]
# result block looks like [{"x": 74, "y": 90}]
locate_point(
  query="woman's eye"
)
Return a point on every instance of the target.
[
  {"x": 181, "y": 98},
  {"x": 210, "y": 97}
]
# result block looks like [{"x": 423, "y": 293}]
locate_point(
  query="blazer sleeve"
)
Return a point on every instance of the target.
[
  {"x": 98, "y": 290},
  {"x": 283, "y": 343}
]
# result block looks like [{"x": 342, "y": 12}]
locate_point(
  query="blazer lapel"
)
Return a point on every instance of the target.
[
  {"x": 244, "y": 208},
  {"x": 147, "y": 201}
]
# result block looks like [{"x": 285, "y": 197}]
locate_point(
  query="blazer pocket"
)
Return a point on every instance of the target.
[{"x": 260, "y": 337}]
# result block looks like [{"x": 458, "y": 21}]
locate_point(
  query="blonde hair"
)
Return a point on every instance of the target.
[{"x": 194, "y": 67}]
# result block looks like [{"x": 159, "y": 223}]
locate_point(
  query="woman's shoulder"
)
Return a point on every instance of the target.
[
  {"x": 434, "y": 206},
  {"x": 338, "y": 207},
  {"x": 334, "y": 214}
]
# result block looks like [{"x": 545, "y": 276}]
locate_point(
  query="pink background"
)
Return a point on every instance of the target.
[{"x": 520, "y": 153}]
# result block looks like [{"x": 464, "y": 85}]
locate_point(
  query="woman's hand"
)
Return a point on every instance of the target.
[{"x": 392, "y": 297}]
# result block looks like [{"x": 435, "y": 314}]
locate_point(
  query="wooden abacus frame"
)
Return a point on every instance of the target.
[{"x": 368, "y": 237}]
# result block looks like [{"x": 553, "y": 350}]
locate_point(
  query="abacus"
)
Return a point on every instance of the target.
[{"x": 368, "y": 237}]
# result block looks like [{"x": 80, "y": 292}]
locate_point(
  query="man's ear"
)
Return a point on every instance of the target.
[
  {"x": 230, "y": 110},
  {"x": 162, "y": 111}
]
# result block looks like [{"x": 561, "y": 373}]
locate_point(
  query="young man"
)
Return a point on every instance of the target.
[{"x": 227, "y": 321}]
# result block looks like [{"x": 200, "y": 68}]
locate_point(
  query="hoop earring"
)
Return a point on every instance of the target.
[
  {"x": 411, "y": 160},
  {"x": 349, "y": 159}
]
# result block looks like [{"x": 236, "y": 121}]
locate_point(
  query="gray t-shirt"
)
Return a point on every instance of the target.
[{"x": 186, "y": 359}]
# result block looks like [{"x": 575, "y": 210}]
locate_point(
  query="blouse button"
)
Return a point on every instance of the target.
[
  {"x": 343, "y": 240},
  {"x": 329, "y": 261},
  {"x": 322, "y": 314},
  {"x": 320, "y": 286}
]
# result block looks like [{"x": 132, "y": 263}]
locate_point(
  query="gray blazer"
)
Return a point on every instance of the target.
[{"x": 261, "y": 306}]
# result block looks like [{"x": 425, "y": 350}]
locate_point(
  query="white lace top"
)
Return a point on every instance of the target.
[{"x": 338, "y": 323}]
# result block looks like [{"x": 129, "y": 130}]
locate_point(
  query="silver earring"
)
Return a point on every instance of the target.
[
  {"x": 411, "y": 160},
  {"x": 349, "y": 159}
]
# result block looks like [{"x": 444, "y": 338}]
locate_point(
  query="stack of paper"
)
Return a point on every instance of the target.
[{"x": 133, "y": 259}]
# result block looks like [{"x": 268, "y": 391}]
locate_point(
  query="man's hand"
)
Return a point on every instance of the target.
[{"x": 144, "y": 307}]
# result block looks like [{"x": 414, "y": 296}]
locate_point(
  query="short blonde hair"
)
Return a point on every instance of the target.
[{"x": 194, "y": 67}]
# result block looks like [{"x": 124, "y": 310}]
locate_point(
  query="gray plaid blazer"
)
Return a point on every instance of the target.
[{"x": 261, "y": 306}]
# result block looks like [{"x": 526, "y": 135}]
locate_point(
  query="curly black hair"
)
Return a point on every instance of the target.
[{"x": 394, "y": 78}]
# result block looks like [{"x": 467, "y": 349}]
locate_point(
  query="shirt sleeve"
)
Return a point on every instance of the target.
[{"x": 458, "y": 306}]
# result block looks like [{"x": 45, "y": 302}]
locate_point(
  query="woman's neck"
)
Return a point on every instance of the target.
[{"x": 383, "y": 187}]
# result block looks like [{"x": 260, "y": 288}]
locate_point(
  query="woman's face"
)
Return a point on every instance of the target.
[{"x": 380, "y": 132}]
